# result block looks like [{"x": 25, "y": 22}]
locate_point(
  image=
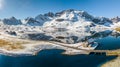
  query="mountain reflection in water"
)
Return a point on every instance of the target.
[{"x": 107, "y": 39}]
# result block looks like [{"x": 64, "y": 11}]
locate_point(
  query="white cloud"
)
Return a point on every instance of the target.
[{"x": 1, "y": 4}]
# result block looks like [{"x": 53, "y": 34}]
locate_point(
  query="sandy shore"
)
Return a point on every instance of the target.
[{"x": 112, "y": 63}]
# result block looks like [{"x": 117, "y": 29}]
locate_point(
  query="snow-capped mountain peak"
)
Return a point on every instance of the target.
[
  {"x": 11, "y": 21},
  {"x": 115, "y": 20},
  {"x": 31, "y": 22},
  {"x": 73, "y": 15},
  {"x": 49, "y": 14}
]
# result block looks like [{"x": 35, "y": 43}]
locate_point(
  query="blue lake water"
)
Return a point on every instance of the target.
[
  {"x": 108, "y": 43},
  {"x": 53, "y": 58}
]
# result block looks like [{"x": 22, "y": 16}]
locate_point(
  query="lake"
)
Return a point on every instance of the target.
[
  {"x": 53, "y": 57},
  {"x": 109, "y": 43}
]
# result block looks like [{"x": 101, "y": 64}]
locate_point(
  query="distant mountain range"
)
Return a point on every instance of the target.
[{"x": 66, "y": 18}]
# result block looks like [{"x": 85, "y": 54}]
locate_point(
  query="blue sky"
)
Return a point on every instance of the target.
[{"x": 30, "y": 8}]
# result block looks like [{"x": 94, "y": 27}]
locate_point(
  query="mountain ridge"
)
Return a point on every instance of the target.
[{"x": 69, "y": 17}]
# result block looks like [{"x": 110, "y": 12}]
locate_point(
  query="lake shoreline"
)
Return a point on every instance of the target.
[{"x": 109, "y": 63}]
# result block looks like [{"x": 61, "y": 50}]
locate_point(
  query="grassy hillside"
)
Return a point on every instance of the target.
[
  {"x": 9, "y": 45},
  {"x": 117, "y": 29}
]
